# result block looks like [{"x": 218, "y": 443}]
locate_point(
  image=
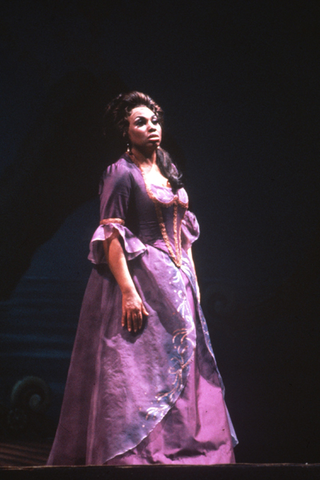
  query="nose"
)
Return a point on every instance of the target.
[{"x": 151, "y": 125}]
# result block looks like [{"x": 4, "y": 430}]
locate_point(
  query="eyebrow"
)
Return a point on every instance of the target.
[{"x": 142, "y": 116}]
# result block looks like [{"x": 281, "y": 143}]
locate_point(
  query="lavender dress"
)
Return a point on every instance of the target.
[{"x": 155, "y": 396}]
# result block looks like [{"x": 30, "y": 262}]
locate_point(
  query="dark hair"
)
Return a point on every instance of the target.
[{"x": 118, "y": 111}]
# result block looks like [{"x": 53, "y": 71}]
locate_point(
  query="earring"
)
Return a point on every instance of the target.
[{"x": 128, "y": 148}]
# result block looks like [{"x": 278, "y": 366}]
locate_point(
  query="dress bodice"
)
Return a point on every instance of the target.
[
  {"x": 152, "y": 213},
  {"x": 161, "y": 225}
]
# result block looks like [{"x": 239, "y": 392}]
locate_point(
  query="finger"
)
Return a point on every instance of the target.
[
  {"x": 136, "y": 321},
  {"x": 140, "y": 321},
  {"x": 129, "y": 322},
  {"x": 123, "y": 319},
  {"x": 144, "y": 311}
]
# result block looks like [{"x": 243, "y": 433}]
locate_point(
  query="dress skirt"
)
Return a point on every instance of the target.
[
  {"x": 155, "y": 396},
  {"x": 194, "y": 432}
]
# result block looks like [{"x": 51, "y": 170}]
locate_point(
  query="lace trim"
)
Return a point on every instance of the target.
[
  {"x": 106, "y": 221},
  {"x": 176, "y": 257}
]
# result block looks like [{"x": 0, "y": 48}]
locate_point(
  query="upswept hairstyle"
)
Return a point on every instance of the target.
[{"x": 118, "y": 111}]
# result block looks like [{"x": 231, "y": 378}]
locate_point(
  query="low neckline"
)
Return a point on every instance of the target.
[
  {"x": 159, "y": 186},
  {"x": 144, "y": 175}
]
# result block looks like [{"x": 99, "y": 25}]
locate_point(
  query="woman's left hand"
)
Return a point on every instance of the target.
[{"x": 198, "y": 291}]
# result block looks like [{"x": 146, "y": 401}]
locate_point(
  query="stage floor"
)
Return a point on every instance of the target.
[
  {"x": 26, "y": 461},
  {"x": 214, "y": 472}
]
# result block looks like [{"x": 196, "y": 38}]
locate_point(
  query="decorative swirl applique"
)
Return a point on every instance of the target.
[
  {"x": 184, "y": 344},
  {"x": 182, "y": 360}
]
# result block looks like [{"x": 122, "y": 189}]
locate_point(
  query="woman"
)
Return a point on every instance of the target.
[{"x": 143, "y": 385}]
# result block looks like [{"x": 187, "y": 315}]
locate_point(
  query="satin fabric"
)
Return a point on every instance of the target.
[
  {"x": 194, "y": 431},
  {"x": 124, "y": 390}
]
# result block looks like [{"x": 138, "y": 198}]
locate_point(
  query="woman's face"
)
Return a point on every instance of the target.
[{"x": 144, "y": 130}]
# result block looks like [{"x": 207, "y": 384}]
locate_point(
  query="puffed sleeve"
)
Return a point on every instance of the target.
[
  {"x": 115, "y": 190},
  {"x": 190, "y": 230}
]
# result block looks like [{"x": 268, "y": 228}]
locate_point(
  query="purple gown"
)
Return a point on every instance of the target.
[{"x": 155, "y": 396}]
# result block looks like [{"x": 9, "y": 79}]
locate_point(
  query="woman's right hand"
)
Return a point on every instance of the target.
[{"x": 132, "y": 311}]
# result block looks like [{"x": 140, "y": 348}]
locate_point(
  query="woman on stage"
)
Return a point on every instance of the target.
[{"x": 143, "y": 385}]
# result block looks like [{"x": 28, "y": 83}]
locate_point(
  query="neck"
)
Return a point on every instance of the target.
[{"x": 146, "y": 158}]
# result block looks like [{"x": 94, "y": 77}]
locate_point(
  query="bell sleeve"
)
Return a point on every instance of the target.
[
  {"x": 115, "y": 192},
  {"x": 190, "y": 230}
]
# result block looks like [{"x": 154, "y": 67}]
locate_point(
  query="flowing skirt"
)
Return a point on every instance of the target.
[{"x": 109, "y": 413}]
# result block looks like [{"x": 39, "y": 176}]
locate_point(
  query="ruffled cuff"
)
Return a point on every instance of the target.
[
  {"x": 131, "y": 244},
  {"x": 190, "y": 230}
]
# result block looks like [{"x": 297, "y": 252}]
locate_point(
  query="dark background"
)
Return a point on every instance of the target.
[{"x": 239, "y": 84}]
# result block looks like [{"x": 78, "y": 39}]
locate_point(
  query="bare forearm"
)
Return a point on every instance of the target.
[
  {"x": 132, "y": 306},
  {"x": 118, "y": 264}
]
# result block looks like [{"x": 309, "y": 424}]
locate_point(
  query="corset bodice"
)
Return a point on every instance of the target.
[{"x": 158, "y": 215}]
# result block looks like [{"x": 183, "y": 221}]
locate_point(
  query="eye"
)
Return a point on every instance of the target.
[
  {"x": 140, "y": 121},
  {"x": 155, "y": 120}
]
